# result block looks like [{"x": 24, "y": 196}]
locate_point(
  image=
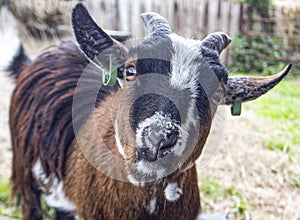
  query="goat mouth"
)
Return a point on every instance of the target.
[
  {"x": 155, "y": 154},
  {"x": 164, "y": 163}
]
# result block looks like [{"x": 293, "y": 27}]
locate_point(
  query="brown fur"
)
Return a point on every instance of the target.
[
  {"x": 41, "y": 117},
  {"x": 41, "y": 126},
  {"x": 115, "y": 199}
]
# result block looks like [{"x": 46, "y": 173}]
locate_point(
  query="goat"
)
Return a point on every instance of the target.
[{"x": 125, "y": 151}]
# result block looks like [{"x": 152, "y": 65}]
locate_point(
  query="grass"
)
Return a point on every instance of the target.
[
  {"x": 214, "y": 191},
  {"x": 281, "y": 105},
  {"x": 7, "y": 210},
  {"x": 295, "y": 181}
]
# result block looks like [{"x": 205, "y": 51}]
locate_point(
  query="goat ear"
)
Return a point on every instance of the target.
[
  {"x": 242, "y": 89},
  {"x": 97, "y": 45}
]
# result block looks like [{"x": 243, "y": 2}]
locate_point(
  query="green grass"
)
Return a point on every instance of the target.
[
  {"x": 295, "y": 181},
  {"x": 282, "y": 106},
  {"x": 214, "y": 191},
  {"x": 211, "y": 189},
  {"x": 7, "y": 209},
  {"x": 4, "y": 191}
]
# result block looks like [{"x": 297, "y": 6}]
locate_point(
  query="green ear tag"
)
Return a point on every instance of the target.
[
  {"x": 236, "y": 108},
  {"x": 110, "y": 78}
]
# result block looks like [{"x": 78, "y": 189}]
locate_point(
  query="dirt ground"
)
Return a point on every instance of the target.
[
  {"x": 243, "y": 163},
  {"x": 261, "y": 176}
]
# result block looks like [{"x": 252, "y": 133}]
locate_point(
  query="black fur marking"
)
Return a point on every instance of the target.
[
  {"x": 91, "y": 38},
  {"x": 61, "y": 215},
  {"x": 19, "y": 62},
  {"x": 212, "y": 57},
  {"x": 203, "y": 105},
  {"x": 147, "y": 105},
  {"x": 154, "y": 56}
]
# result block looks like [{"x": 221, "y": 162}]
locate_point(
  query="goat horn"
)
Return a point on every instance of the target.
[
  {"x": 241, "y": 88},
  {"x": 217, "y": 41},
  {"x": 157, "y": 25}
]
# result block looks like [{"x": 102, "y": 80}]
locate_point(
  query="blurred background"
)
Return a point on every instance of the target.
[{"x": 256, "y": 172}]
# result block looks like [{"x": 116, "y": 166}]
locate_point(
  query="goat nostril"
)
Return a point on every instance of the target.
[{"x": 169, "y": 142}]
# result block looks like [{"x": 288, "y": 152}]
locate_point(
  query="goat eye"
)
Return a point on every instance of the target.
[{"x": 130, "y": 73}]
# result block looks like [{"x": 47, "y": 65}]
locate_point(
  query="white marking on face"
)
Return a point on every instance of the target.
[
  {"x": 184, "y": 72},
  {"x": 185, "y": 76},
  {"x": 54, "y": 195},
  {"x": 157, "y": 119},
  {"x": 173, "y": 192},
  {"x": 121, "y": 83},
  {"x": 150, "y": 169},
  {"x": 118, "y": 141}
]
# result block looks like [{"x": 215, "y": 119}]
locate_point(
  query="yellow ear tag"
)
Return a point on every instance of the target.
[
  {"x": 236, "y": 108},
  {"x": 110, "y": 78}
]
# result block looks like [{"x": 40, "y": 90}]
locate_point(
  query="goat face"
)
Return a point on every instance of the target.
[{"x": 171, "y": 87}]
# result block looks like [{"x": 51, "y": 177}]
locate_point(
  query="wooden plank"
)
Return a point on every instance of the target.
[
  {"x": 191, "y": 14},
  {"x": 181, "y": 18},
  {"x": 224, "y": 24},
  {"x": 171, "y": 13},
  {"x": 213, "y": 16},
  {"x": 225, "y": 27},
  {"x": 201, "y": 19},
  {"x": 124, "y": 15},
  {"x": 136, "y": 23},
  {"x": 148, "y": 5},
  {"x": 235, "y": 19},
  {"x": 176, "y": 22}
]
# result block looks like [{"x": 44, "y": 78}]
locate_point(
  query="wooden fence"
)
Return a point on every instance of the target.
[{"x": 189, "y": 18}]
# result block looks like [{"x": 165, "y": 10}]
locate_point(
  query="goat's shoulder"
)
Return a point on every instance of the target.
[{"x": 56, "y": 92}]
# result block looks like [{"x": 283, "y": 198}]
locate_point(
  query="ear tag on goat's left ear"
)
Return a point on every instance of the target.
[
  {"x": 110, "y": 78},
  {"x": 236, "y": 108}
]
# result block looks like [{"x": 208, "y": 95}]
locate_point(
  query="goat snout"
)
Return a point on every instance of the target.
[{"x": 157, "y": 143}]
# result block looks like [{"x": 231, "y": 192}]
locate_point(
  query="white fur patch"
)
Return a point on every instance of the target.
[
  {"x": 150, "y": 168},
  {"x": 152, "y": 205},
  {"x": 184, "y": 76},
  {"x": 184, "y": 71},
  {"x": 118, "y": 141},
  {"x": 173, "y": 192},
  {"x": 55, "y": 196},
  {"x": 9, "y": 38},
  {"x": 134, "y": 181},
  {"x": 157, "y": 118}
]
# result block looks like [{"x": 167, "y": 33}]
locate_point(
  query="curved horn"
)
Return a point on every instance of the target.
[
  {"x": 242, "y": 88},
  {"x": 217, "y": 41},
  {"x": 157, "y": 25}
]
